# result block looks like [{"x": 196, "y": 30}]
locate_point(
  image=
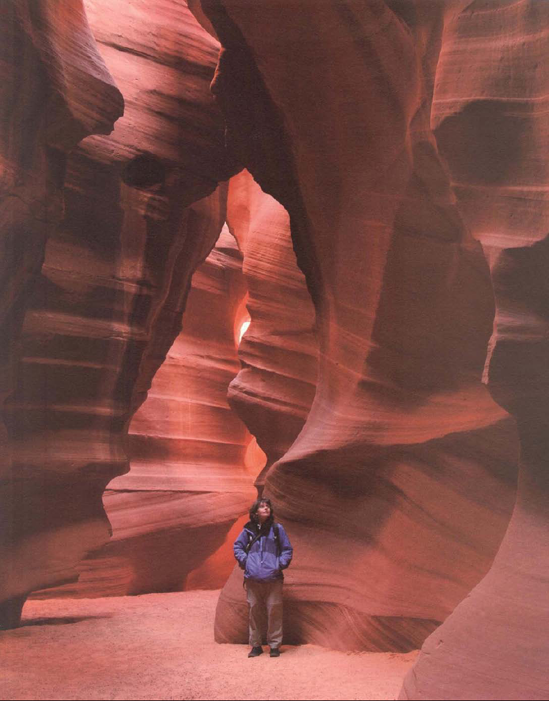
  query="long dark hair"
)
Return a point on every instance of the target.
[{"x": 253, "y": 511}]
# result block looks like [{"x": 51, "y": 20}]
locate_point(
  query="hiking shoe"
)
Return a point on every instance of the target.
[
  {"x": 255, "y": 652},
  {"x": 275, "y": 652}
]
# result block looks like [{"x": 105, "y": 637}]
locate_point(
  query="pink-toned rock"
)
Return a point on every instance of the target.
[
  {"x": 492, "y": 127},
  {"x": 55, "y": 90},
  {"x": 108, "y": 303},
  {"x": 397, "y": 491},
  {"x": 275, "y": 388},
  {"x": 391, "y": 157},
  {"x": 188, "y": 481}
]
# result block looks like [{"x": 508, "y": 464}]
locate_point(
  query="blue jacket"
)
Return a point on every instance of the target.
[{"x": 266, "y": 559}]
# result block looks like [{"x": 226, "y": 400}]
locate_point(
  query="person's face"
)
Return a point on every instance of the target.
[{"x": 263, "y": 512}]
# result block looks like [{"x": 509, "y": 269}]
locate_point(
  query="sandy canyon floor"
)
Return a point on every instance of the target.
[{"x": 161, "y": 646}]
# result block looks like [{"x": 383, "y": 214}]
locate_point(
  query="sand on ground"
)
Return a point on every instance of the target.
[{"x": 161, "y": 646}]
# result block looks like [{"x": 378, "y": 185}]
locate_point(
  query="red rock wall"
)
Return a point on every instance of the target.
[
  {"x": 493, "y": 129},
  {"x": 275, "y": 388},
  {"x": 54, "y": 92},
  {"x": 188, "y": 480},
  {"x": 108, "y": 303},
  {"x": 398, "y": 489},
  {"x": 395, "y": 156}
]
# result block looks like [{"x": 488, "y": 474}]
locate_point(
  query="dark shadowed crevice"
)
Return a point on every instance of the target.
[
  {"x": 256, "y": 136},
  {"x": 143, "y": 171}
]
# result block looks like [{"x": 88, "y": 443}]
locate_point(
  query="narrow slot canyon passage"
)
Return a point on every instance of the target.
[
  {"x": 289, "y": 249},
  {"x": 192, "y": 462}
]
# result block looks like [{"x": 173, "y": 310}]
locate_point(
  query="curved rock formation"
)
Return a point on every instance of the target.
[
  {"x": 275, "y": 388},
  {"x": 398, "y": 489},
  {"x": 394, "y": 165},
  {"x": 108, "y": 303},
  {"x": 55, "y": 91},
  {"x": 188, "y": 481},
  {"x": 493, "y": 128}
]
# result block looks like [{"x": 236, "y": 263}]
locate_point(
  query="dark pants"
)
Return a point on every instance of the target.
[{"x": 265, "y": 597}]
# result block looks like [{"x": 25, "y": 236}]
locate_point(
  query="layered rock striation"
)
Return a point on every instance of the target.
[
  {"x": 402, "y": 206},
  {"x": 56, "y": 90},
  {"x": 398, "y": 489},
  {"x": 492, "y": 128},
  {"x": 188, "y": 481},
  {"x": 142, "y": 209},
  {"x": 275, "y": 388}
]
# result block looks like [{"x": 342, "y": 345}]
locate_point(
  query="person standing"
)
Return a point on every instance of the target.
[{"x": 263, "y": 550}]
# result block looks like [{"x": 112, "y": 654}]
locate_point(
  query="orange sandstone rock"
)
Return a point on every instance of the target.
[
  {"x": 55, "y": 91},
  {"x": 492, "y": 127},
  {"x": 108, "y": 303},
  {"x": 398, "y": 488},
  {"x": 274, "y": 390}
]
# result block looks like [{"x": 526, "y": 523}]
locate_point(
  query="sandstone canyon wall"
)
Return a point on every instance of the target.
[
  {"x": 387, "y": 387},
  {"x": 493, "y": 128},
  {"x": 188, "y": 481},
  {"x": 54, "y": 93},
  {"x": 275, "y": 388},
  {"x": 398, "y": 489},
  {"x": 402, "y": 185},
  {"x": 106, "y": 305}
]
